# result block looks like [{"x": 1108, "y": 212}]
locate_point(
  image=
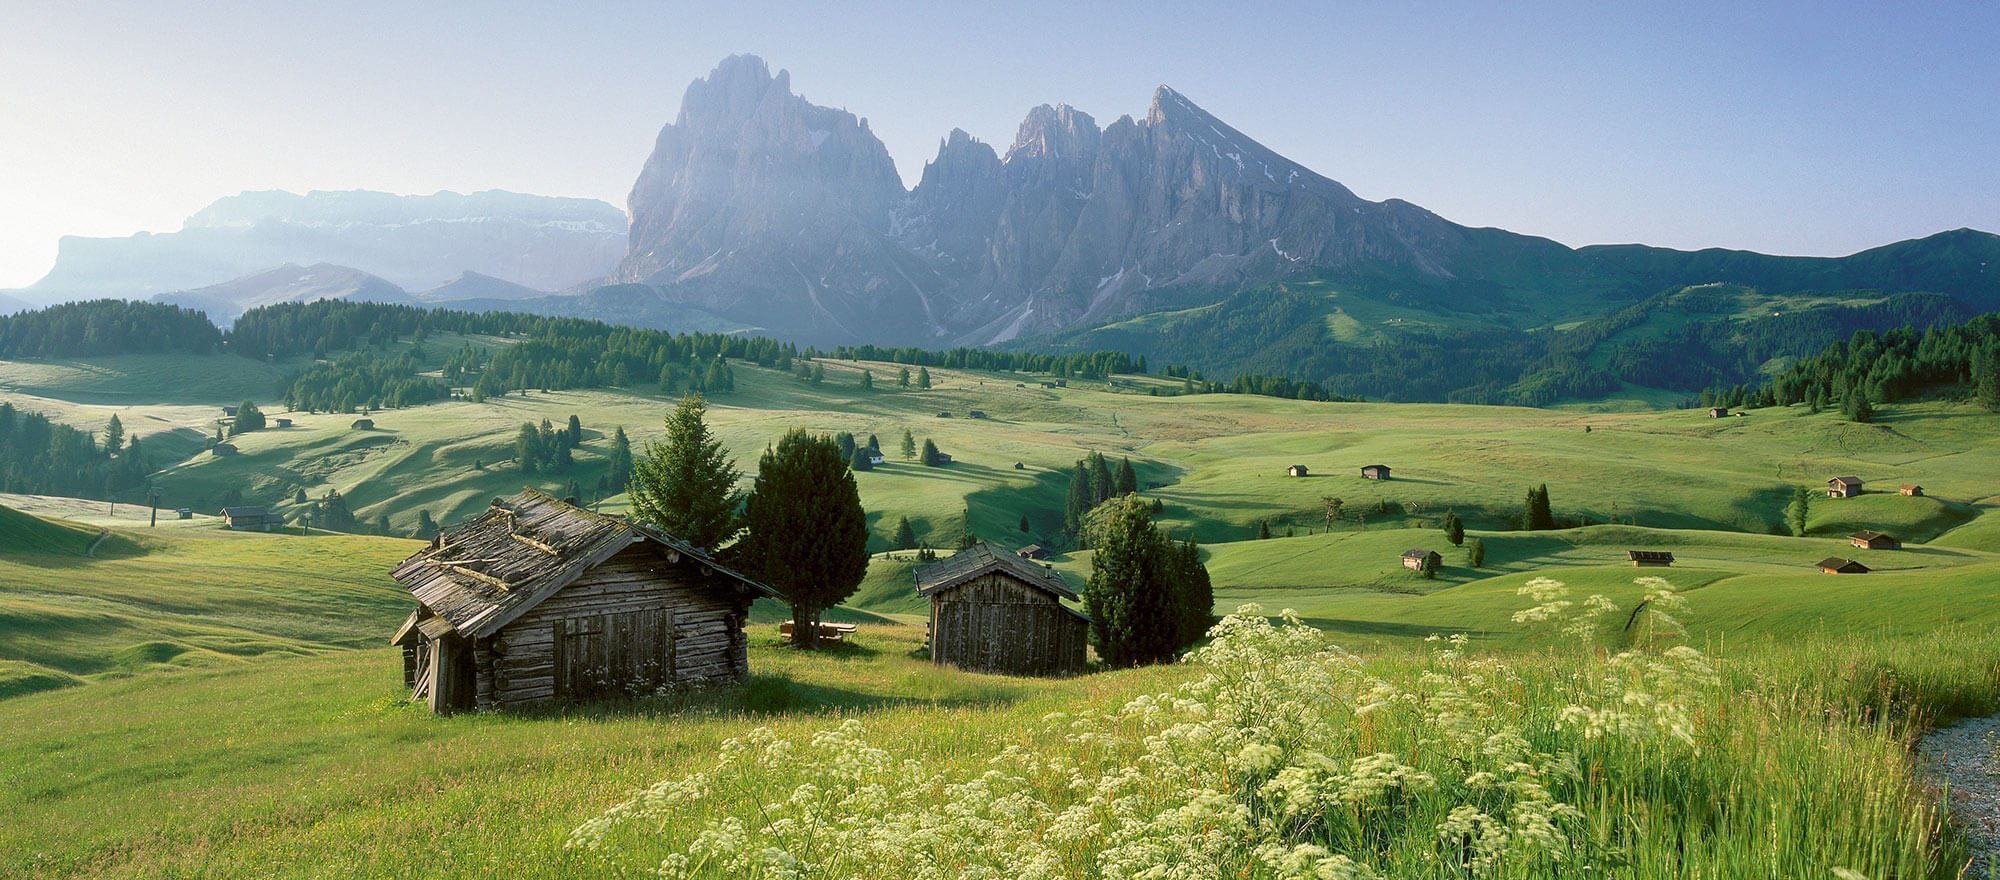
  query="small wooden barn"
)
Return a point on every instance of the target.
[
  {"x": 538, "y": 599},
  {"x": 993, "y": 611},
  {"x": 222, "y": 450},
  {"x": 1416, "y": 559},
  {"x": 976, "y": 414},
  {"x": 282, "y": 423},
  {"x": 252, "y": 519},
  {"x": 876, "y": 458},
  {"x": 1837, "y": 565},
  {"x": 363, "y": 425},
  {"x": 1033, "y": 551},
  {"x": 1869, "y": 539},
  {"x": 1375, "y": 471},
  {"x": 1911, "y": 489},
  {"x": 1297, "y": 470},
  {"x": 1843, "y": 487},
  {"x": 1717, "y": 412},
  {"x": 1650, "y": 558}
]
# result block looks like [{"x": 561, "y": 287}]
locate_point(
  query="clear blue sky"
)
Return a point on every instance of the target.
[{"x": 1818, "y": 128}]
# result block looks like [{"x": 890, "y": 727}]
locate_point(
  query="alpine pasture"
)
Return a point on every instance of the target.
[{"x": 187, "y": 701}]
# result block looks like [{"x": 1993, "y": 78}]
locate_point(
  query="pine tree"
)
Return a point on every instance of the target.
[
  {"x": 902, "y": 377},
  {"x": 1263, "y": 530},
  {"x": 909, "y": 445},
  {"x": 906, "y": 537},
  {"x": 1454, "y": 529},
  {"x": 573, "y": 435},
  {"x": 867, "y": 380},
  {"x": 1078, "y": 502},
  {"x": 923, "y": 377},
  {"x": 930, "y": 457},
  {"x": 1194, "y": 593},
  {"x": 382, "y": 526},
  {"x": 299, "y": 495},
  {"x": 846, "y": 443},
  {"x": 426, "y": 526},
  {"x": 1101, "y": 483},
  {"x": 619, "y": 476},
  {"x": 1475, "y": 553},
  {"x": 527, "y": 449},
  {"x": 1537, "y": 515},
  {"x": 1986, "y": 377},
  {"x": 114, "y": 436},
  {"x": 874, "y": 443},
  {"x": 1430, "y": 567},
  {"x": 686, "y": 484},
  {"x": 1125, "y": 481},
  {"x": 1795, "y": 512},
  {"x": 807, "y": 534},
  {"x": 1024, "y": 522},
  {"x": 859, "y": 460},
  {"x": 1131, "y": 595},
  {"x": 1857, "y": 408},
  {"x": 248, "y": 418},
  {"x": 818, "y": 374}
]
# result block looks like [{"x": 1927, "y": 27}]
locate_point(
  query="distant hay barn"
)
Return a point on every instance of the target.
[
  {"x": 1837, "y": 565},
  {"x": 1375, "y": 471},
  {"x": 220, "y": 450},
  {"x": 363, "y": 425},
  {"x": 282, "y": 423},
  {"x": 538, "y": 599},
  {"x": 976, "y": 414},
  {"x": 251, "y": 519},
  {"x": 1716, "y": 412},
  {"x": 1297, "y": 470},
  {"x": 1911, "y": 489},
  {"x": 1415, "y": 560},
  {"x": 1650, "y": 558},
  {"x": 1869, "y": 539},
  {"x": 1033, "y": 551},
  {"x": 1843, "y": 487},
  {"x": 993, "y": 611}
]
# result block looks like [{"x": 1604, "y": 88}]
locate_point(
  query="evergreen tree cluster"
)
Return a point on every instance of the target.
[
  {"x": 1093, "y": 481},
  {"x": 544, "y": 448},
  {"x": 43, "y": 457},
  {"x": 1082, "y": 365},
  {"x": 1536, "y": 515},
  {"x": 107, "y": 326},
  {"x": 1878, "y": 367},
  {"x": 248, "y": 418},
  {"x": 363, "y": 379},
  {"x": 1149, "y": 597}
]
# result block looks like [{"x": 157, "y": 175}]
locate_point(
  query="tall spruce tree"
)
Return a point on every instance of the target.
[
  {"x": 909, "y": 445},
  {"x": 905, "y": 537},
  {"x": 1078, "y": 502},
  {"x": 1135, "y": 576},
  {"x": 1194, "y": 593},
  {"x": 923, "y": 377},
  {"x": 114, "y": 436},
  {"x": 619, "y": 476},
  {"x": 1537, "y": 515},
  {"x": 573, "y": 432},
  {"x": 1102, "y": 486},
  {"x": 1795, "y": 512},
  {"x": 1125, "y": 480},
  {"x": 1454, "y": 528},
  {"x": 808, "y": 536},
  {"x": 930, "y": 456},
  {"x": 686, "y": 483}
]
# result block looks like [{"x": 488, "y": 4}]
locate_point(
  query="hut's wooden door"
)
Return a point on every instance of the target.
[
  {"x": 626, "y": 653},
  {"x": 451, "y": 674}
]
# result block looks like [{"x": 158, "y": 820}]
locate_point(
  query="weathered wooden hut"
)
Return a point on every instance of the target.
[
  {"x": 1869, "y": 539},
  {"x": 1843, "y": 487},
  {"x": 1416, "y": 559},
  {"x": 1650, "y": 558},
  {"x": 538, "y": 599},
  {"x": 363, "y": 425},
  {"x": 282, "y": 423},
  {"x": 252, "y": 519},
  {"x": 1716, "y": 412},
  {"x": 222, "y": 450},
  {"x": 993, "y": 611},
  {"x": 1837, "y": 565},
  {"x": 1033, "y": 551},
  {"x": 1911, "y": 489},
  {"x": 1375, "y": 471},
  {"x": 1297, "y": 470}
]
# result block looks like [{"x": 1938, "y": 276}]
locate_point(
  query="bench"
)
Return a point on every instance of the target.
[{"x": 828, "y": 632}]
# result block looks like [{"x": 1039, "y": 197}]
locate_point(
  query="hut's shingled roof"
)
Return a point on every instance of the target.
[
  {"x": 981, "y": 559},
  {"x": 492, "y": 568}
]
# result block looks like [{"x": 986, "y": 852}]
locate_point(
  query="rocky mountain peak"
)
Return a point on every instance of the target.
[{"x": 1058, "y": 132}]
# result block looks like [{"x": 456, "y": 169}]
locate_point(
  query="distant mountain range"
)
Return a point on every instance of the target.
[
  {"x": 759, "y": 206},
  {"x": 413, "y": 242}
]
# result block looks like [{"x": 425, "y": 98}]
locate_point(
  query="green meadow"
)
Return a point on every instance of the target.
[{"x": 190, "y": 702}]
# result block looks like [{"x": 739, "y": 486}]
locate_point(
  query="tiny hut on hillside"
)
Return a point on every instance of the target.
[
  {"x": 1716, "y": 412},
  {"x": 1869, "y": 539},
  {"x": 1650, "y": 558},
  {"x": 282, "y": 423},
  {"x": 363, "y": 425},
  {"x": 221, "y": 450},
  {"x": 1415, "y": 560},
  {"x": 1376, "y": 471},
  {"x": 1843, "y": 487},
  {"x": 993, "y": 611},
  {"x": 1911, "y": 489},
  {"x": 1837, "y": 565},
  {"x": 1297, "y": 470},
  {"x": 251, "y": 519},
  {"x": 539, "y": 599},
  {"x": 1033, "y": 551}
]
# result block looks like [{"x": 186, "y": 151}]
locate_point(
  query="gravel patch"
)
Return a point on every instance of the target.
[{"x": 1964, "y": 760}]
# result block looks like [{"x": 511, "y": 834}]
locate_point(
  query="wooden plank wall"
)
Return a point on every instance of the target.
[
  {"x": 634, "y": 622},
  {"x": 998, "y": 624}
]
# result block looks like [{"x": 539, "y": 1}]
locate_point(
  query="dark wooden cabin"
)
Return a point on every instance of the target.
[
  {"x": 1911, "y": 489},
  {"x": 993, "y": 611},
  {"x": 363, "y": 425},
  {"x": 537, "y": 599},
  {"x": 252, "y": 519},
  {"x": 1415, "y": 560},
  {"x": 1650, "y": 558},
  {"x": 1869, "y": 539},
  {"x": 1837, "y": 565},
  {"x": 1033, "y": 551},
  {"x": 1843, "y": 487},
  {"x": 1716, "y": 412},
  {"x": 1297, "y": 470},
  {"x": 1375, "y": 471}
]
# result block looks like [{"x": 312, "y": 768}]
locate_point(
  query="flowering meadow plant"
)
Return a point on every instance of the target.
[{"x": 1283, "y": 756}]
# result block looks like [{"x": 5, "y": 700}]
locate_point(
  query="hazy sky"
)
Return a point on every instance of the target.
[{"x": 1811, "y": 128}]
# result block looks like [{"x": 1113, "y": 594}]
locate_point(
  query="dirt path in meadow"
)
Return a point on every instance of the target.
[{"x": 1964, "y": 761}]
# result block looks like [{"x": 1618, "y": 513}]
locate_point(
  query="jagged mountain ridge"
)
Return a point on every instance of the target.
[
  {"x": 415, "y": 242},
  {"x": 756, "y": 201},
  {"x": 759, "y": 206}
]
